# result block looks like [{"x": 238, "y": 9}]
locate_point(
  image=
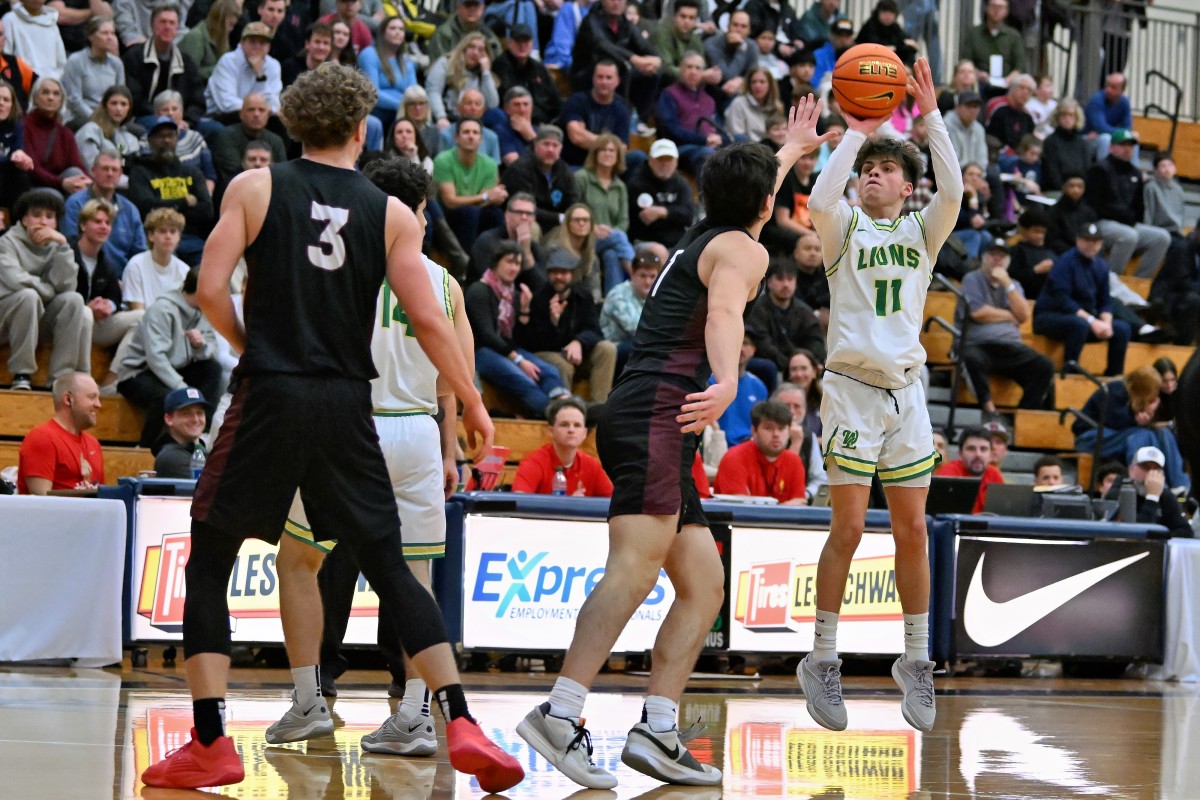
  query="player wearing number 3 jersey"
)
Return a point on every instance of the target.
[{"x": 873, "y": 411}]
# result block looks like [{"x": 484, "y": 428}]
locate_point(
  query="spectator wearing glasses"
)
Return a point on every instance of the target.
[{"x": 520, "y": 226}]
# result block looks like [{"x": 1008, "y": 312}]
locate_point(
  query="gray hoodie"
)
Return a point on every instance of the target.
[
  {"x": 1165, "y": 204},
  {"x": 159, "y": 344},
  {"x": 48, "y": 269}
]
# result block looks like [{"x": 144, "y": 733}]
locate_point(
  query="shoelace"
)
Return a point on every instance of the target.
[
  {"x": 581, "y": 737},
  {"x": 692, "y": 731},
  {"x": 924, "y": 685},
  {"x": 831, "y": 682}
]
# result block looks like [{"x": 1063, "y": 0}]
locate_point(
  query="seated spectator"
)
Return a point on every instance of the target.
[
  {"x": 973, "y": 217},
  {"x": 1066, "y": 150},
  {"x": 99, "y": 285},
  {"x": 185, "y": 416},
  {"x": 190, "y": 147},
  {"x": 974, "y": 461},
  {"x": 1000, "y": 440},
  {"x": 1048, "y": 471},
  {"x": 766, "y": 40},
  {"x": 812, "y": 286},
  {"x": 248, "y": 69},
  {"x": 57, "y": 163},
  {"x": 208, "y": 42},
  {"x": 59, "y": 454},
  {"x": 499, "y": 310},
  {"x": 341, "y": 49},
  {"x": 389, "y": 68},
  {"x": 568, "y": 428},
  {"x": 1155, "y": 504},
  {"x": 1126, "y": 410},
  {"x": 514, "y": 126},
  {"x": 229, "y": 144},
  {"x": 156, "y": 65},
  {"x": 16, "y": 72},
  {"x": 1042, "y": 106},
  {"x": 966, "y": 133},
  {"x": 661, "y": 207},
  {"x": 941, "y": 443},
  {"x": 414, "y": 106},
  {"x": 791, "y": 219},
  {"x": 989, "y": 314},
  {"x": 825, "y": 56},
  {"x": 287, "y": 23},
  {"x": 564, "y": 328},
  {"x": 747, "y": 114},
  {"x": 256, "y": 156},
  {"x": 587, "y": 114},
  {"x": 318, "y": 45},
  {"x": 680, "y": 36},
  {"x": 993, "y": 37},
  {"x": 155, "y": 272},
  {"x": 883, "y": 28},
  {"x": 1070, "y": 215},
  {"x": 804, "y": 370},
  {"x": 15, "y": 163},
  {"x": 110, "y": 127},
  {"x": 607, "y": 34},
  {"x": 1166, "y": 370},
  {"x": 1109, "y": 473},
  {"x": 518, "y": 226},
  {"x": 623, "y": 305},
  {"x": 544, "y": 174},
  {"x": 467, "y": 19},
  {"x": 32, "y": 31},
  {"x": 1107, "y": 111},
  {"x": 467, "y": 66},
  {"x": 516, "y": 66},
  {"x": 1115, "y": 189},
  {"x": 751, "y": 390},
  {"x": 90, "y": 71},
  {"x": 1024, "y": 173},
  {"x": 686, "y": 115},
  {"x": 1031, "y": 260},
  {"x": 576, "y": 237},
  {"x": 764, "y": 466},
  {"x": 468, "y": 184},
  {"x": 731, "y": 54},
  {"x": 786, "y": 322},
  {"x": 135, "y": 20},
  {"x": 1075, "y": 307},
  {"x": 161, "y": 180},
  {"x": 174, "y": 346},
  {"x": 1010, "y": 122},
  {"x": 603, "y": 191},
  {"x": 127, "y": 237},
  {"x": 471, "y": 106},
  {"x": 802, "y": 441},
  {"x": 359, "y": 32},
  {"x": 37, "y": 292},
  {"x": 562, "y": 38}
]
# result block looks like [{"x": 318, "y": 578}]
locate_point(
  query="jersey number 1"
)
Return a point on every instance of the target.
[
  {"x": 881, "y": 296},
  {"x": 330, "y": 252}
]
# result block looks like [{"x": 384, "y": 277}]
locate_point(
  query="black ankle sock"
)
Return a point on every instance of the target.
[
  {"x": 209, "y": 716},
  {"x": 452, "y": 702}
]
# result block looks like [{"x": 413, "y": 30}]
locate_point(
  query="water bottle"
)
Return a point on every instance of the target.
[
  {"x": 198, "y": 461},
  {"x": 1127, "y": 503},
  {"x": 559, "y": 486},
  {"x": 634, "y": 122}
]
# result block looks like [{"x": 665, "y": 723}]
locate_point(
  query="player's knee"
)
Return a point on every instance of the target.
[{"x": 296, "y": 559}]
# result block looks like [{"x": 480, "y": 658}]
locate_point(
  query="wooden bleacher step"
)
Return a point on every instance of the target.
[
  {"x": 20, "y": 412},
  {"x": 101, "y": 360}
]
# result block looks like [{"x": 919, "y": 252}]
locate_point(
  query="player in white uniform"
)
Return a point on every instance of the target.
[
  {"x": 420, "y": 454},
  {"x": 873, "y": 413}
]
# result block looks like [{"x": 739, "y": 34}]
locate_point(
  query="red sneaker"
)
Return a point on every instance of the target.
[
  {"x": 194, "y": 765},
  {"x": 475, "y": 754}
]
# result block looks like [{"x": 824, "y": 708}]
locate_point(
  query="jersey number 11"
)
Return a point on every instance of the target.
[{"x": 881, "y": 296}]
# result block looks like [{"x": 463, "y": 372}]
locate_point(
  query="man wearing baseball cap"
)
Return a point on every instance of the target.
[
  {"x": 468, "y": 18},
  {"x": 185, "y": 414},
  {"x": 1115, "y": 189},
  {"x": 249, "y": 68},
  {"x": 517, "y": 66},
  {"x": 990, "y": 312},
  {"x": 1155, "y": 505},
  {"x": 661, "y": 208}
]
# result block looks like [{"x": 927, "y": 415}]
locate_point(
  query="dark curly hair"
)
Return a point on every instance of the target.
[
  {"x": 325, "y": 106},
  {"x": 901, "y": 152},
  {"x": 405, "y": 180}
]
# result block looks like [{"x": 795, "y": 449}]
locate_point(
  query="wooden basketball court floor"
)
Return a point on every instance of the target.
[{"x": 83, "y": 734}]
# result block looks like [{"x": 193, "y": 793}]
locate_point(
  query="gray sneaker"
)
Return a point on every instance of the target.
[
  {"x": 915, "y": 679},
  {"x": 662, "y": 756},
  {"x": 566, "y": 745},
  {"x": 400, "y": 736},
  {"x": 821, "y": 682},
  {"x": 299, "y": 724}
]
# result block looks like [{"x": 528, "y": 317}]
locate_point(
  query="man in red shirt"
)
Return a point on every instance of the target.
[
  {"x": 974, "y": 461},
  {"x": 58, "y": 454},
  {"x": 568, "y": 429},
  {"x": 763, "y": 466}
]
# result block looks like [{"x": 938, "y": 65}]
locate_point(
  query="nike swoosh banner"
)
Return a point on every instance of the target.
[{"x": 1096, "y": 598}]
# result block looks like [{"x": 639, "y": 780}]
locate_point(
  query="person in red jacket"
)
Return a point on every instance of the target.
[
  {"x": 974, "y": 461},
  {"x": 568, "y": 429},
  {"x": 763, "y": 466},
  {"x": 57, "y": 163}
]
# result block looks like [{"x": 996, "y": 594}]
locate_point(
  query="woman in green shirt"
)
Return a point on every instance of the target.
[
  {"x": 606, "y": 195},
  {"x": 208, "y": 42}
]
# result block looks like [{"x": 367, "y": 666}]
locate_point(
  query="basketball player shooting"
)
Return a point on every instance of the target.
[
  {"x": 691, "y": 328},
  {"x": 875, "y": 419}
]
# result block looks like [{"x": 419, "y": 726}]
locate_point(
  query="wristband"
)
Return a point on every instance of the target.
[
  {"x": 1091, "y": 319},
  {"x": 1151, "y": 498},
  {"x": 484, "y": 197},
  {"x": 1012, "y": 287},
  {"x": 520, "y": 358}
]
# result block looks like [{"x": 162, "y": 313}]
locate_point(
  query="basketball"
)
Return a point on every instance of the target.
[{"x": 869, "y": 80}]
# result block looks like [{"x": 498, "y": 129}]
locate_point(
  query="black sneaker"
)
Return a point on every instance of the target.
[{"x": 21, "y": 383}]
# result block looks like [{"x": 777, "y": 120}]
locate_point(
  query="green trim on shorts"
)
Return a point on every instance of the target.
[
  {"x": 850, "y": 465},
  {"x": 303, "y": 534},
  {"x": 907, "y": 472},
  {"x": 418, "y": 412},
  {"x": 424, "y": 552}
]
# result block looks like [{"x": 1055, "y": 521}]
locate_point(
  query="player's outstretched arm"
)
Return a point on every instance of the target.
[
  {"x": 242, "y": 212},
  {"x": 942, "y": 212},
  {"x": 407, "y": 276},
  {"x": 830, "y": 213},
  {"x": 802, "y": 136}
]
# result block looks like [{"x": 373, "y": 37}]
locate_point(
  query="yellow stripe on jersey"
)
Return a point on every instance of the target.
[
  {"x": 880, "y": 227},
  {"x": 446, "y": 295},
  {"x": 909, "y": 471},
  {"x": 845, "y": 244},
  {"x": 924, "y": 233}
]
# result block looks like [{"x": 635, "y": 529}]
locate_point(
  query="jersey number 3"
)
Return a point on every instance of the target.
[
  {"x": 330, "y": 252},
  {"x": 881, "y": 296}
]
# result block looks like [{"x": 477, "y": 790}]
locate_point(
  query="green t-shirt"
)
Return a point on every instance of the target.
[{"x": 468, "y": 181}]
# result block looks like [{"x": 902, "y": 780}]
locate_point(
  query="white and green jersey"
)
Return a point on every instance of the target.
[
  {"x": 879, "y": 270},
  {"x": 407, "y": 382}
]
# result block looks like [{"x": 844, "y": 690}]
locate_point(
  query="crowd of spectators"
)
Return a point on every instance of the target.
[{"x": 121, "y": 126}]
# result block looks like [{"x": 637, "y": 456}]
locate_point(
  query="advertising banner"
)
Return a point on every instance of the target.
[
  {"x": 1040, "y": 597},
  {"x": 525, "y": 579},
  {"x": 773, "y": 593},
  {"x": 161, "y": 544}
]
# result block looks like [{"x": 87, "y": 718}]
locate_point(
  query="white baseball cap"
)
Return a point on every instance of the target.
[
  {"x": 663, "y": 148},
  {"x": 1150, "y": 455}
]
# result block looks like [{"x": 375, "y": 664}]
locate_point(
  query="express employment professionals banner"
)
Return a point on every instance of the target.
[
  {"x": 773, "y": 591},
  {"x": 161, "y": 544},
  {"x": 525, "y": 579}
]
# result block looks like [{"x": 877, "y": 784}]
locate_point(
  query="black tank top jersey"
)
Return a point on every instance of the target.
[
  {"x": 670, "y": 336},
  {"x": 313, "y": 274}
]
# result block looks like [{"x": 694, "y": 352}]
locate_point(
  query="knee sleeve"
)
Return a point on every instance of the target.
[
  {"x": 206, "y": 610},
  {"x": 417, "y": 616}
]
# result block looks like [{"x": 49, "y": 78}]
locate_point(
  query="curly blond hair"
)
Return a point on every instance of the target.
[{"x": 325, "y": 106}]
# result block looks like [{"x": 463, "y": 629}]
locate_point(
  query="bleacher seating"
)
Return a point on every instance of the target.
[
  {"x": 119, "y": 462},
  {"x": 101, "y": 361}
]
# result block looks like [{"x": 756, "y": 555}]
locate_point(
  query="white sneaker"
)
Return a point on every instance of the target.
[
  {"x": 401, "y": 736},
  {"x": 566, "y": 745},
  {"x": 662, "y": 756},
  {"x": 915, "y": 679},
  {"x": 821, "y": 682},
  {"x": 299, "y": 724}
]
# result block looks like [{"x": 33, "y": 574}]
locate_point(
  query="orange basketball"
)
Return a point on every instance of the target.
[{"x": 869, "y": 81}]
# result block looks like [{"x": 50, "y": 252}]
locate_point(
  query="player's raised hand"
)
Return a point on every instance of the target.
[
  {"x": 705, "y": 408},
  {"x": 802, "y": 126},
  {"x": 922, "y": 88},
  {"x": 864, "y": 125}
]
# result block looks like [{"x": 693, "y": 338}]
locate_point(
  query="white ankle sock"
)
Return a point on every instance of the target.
[
  {"x": 416, "y": 699},
  {"x": 661, "y": 713},
  {"x": 916, "y": 637},
  {"x": 567, "y": 698},
  {"x": 825, "y": 639},
  {"x": 308, "y": 684}
]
